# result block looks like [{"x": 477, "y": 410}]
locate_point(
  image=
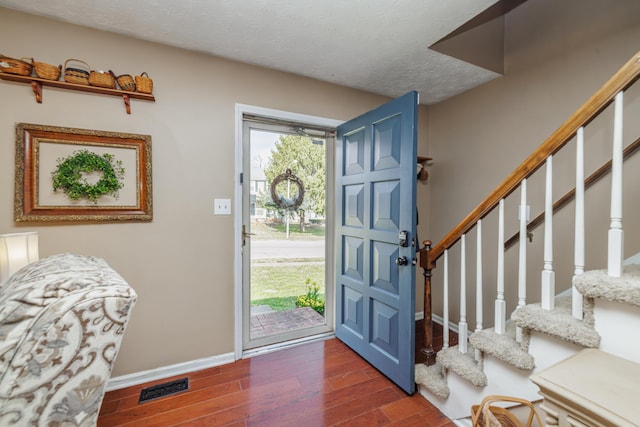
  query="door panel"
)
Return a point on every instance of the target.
[{"x": 375, "y": 294}]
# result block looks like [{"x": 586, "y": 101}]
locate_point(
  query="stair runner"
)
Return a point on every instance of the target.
[{"x": 558, "y": 322}]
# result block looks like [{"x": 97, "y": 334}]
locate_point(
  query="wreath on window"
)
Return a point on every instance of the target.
[
  {"x": 287, "y": 201},
  {"x": 72, "y": 172}
]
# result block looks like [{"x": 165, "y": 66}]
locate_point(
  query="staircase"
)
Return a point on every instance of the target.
[{"x": 586, "y": 309}]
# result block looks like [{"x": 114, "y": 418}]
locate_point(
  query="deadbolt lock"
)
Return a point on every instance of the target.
[{"x": 402, "y": 260}]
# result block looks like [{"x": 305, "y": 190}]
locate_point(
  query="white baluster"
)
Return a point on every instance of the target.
[
  {"x": 462, "y": 325},
  {"x": 576, "y": 297},
  {"x": 478, "y": 353},
  {"x": 616, "y": 235},
  {"x": 548, "y": 280},
  {"x": 500, "y": 306},
  {"x": 479, "y": 276},
  {"x": 522, "y": 261},
  {"x": 445, "y": 306}
]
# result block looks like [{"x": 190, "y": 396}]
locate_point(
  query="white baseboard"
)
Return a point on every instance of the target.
[
  {"x": 440, "y": 321},
  {"x": 142, "y": 377},
  {"x": 437, "y": 319}
]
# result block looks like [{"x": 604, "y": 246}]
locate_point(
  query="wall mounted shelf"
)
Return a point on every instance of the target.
[{"x": 37, "y": 83}]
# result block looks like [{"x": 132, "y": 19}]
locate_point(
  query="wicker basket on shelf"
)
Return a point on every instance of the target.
[
  {"x": 16, "y": 66},
  {"x": 102, "y": 79},
  {"x": 78, "y": 74},
  {"x": 126, "y": 82},
  {"x": 47, "y": 71},
  {"x": 144, "y": 84}
]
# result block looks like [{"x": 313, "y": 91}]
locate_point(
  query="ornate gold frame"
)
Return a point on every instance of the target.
[{"x": 34, "y": 145}]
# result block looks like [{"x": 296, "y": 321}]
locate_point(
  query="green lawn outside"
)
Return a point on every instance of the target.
[
  {"x": 279, "y": 286},
  {"x": 277, "y": 230}
]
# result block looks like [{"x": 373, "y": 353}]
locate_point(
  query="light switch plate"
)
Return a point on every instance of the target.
[{"x": 222, "y": 206}]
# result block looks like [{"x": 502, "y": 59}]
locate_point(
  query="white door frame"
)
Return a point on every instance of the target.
[{"x": 242, "y": 109}]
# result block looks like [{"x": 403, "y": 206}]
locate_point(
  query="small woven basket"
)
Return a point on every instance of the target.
[
  {"x": 75, "y": 74},
  {"x": 144, "y": 84},
  {"x": 16, "y": 66},
  {"x": 126, "y": 82},
  {"x": 47, "y": 71},
  {"x": 102, "y": 79}
]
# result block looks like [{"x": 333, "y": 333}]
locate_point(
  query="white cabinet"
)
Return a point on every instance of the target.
[{"x": 591, "y": 388}]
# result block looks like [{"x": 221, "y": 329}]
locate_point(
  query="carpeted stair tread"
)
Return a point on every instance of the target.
[
  {"x": 503, "y": 346},
  {"x": 624, "y": 289},
  {"x": 462, "y": 364},
  {"x": 559, "y": 322},
  {"x": 432, "y": 378}
]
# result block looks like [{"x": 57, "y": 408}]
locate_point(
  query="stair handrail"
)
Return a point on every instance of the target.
[
  {"x": 429, "y": 253},
  {"x": 620, "y": 81},
  {"x": 570, "y": 195}
]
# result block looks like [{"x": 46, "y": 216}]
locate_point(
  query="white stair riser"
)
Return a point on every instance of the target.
[
  {"x": 618, "y": 325},
  {"x": 503, "y": 378}
]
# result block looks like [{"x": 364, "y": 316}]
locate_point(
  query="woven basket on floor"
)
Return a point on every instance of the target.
[
  {"x": 102, "y": 79},
  {"x": 78, "y": 74},
  {"x": 16, "y": 66},
  {"x": 488, "y": 414},
  {"x": 47, "y": 71},
  {"x": 144, "y": 84}
]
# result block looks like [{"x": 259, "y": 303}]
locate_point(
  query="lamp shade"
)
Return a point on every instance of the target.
[{"x": 16, "y": 251}]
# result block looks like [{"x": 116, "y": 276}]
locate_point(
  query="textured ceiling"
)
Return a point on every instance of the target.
[{"x": 380, "y": 46}]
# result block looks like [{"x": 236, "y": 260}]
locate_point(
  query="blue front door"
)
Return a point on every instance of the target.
[{"x": 375, "y": 232}]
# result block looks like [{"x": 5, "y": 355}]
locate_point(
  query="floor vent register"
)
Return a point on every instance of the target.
[{"x": 161, "y": 390}]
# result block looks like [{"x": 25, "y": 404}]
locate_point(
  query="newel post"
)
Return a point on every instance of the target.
[{"x": 427, "y": 350}]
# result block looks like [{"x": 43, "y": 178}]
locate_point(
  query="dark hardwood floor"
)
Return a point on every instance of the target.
[
  {"x": 437, "y": 339},
  {"x": 317, "y": 384}
]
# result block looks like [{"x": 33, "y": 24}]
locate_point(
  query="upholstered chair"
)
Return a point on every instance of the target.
[{"x": 62, "y": 319}]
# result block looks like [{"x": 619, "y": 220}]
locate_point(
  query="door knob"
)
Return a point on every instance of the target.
[
  {"x": 402, "y": 260},
  {"x": 245, "y": 234}
]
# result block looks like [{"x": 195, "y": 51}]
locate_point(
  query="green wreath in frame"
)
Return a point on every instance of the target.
[{"x": 71, "y": 175}]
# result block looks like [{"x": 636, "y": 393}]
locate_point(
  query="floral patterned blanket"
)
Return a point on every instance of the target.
[{"x": 62, "y": 319}]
